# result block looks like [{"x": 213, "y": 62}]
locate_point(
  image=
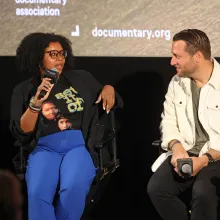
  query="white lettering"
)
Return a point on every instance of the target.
[
  {"x": 46, "y": 11},
  {"x": 94, "y": 32},
  {"x": 137, "y": 33},
  {"x": 105, "y": 33},
  {"x": 167, "y": 34},
  {"x": 61, "y": 2},
  {"x": 149, "y": 33}
]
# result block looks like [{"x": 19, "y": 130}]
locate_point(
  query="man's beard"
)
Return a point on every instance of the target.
[{"x": 186, "y": 73}]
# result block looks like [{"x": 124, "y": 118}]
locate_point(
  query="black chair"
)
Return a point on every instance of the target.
[
  {"x": 108, "y": 161},
  {"x": 186, "y": 196}
]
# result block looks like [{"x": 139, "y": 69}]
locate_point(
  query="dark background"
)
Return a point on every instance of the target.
[{"x": 142, "y": 83}]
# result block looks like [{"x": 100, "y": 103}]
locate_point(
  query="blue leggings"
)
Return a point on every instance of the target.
[{"x": 59, "y": 158}]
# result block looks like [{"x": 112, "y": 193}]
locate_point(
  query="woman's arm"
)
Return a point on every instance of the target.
[
  {"x": 17, "y": 109},
  {"x": 28, "y": 120},
  {"x": 23, "y": 119}
]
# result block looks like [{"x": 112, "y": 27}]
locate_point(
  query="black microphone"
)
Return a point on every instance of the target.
[
  {"x": 53, "y": 75},
  {"x": 185, "y": 167}
]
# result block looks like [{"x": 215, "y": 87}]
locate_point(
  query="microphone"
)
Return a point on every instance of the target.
[
  {"x": 185, "y": 167},
  {"x": 53, "y": 75}
]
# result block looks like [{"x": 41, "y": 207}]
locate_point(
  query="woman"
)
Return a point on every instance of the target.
[{"x": 65, "y": 158}]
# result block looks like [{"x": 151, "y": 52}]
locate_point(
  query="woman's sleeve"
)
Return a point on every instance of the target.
[
  {"x": 17, "y": 109},
  {"x": 92, "y": 82},
  {"x": 118, "y": 101},
  {"x": 97, "y": 87}
]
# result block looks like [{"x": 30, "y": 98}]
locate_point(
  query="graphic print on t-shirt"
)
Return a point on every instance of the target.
[
  {"x": 73, "y": 102},
  {"x": 62, "y": 110},
  {"x": 49, "y": 110}
]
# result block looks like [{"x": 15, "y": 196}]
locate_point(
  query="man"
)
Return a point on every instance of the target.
[{"x": 190, "y": 128}]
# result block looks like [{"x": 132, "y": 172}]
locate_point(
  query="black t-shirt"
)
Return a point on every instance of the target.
[{"x": 62, "y": 110}]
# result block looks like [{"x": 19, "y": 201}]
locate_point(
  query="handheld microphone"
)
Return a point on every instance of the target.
[
  {"x": 185, "y": 167},
  {"x": 53, "y": 75}
]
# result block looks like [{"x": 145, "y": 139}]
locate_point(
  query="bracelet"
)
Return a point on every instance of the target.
[
  {"x": 175, "y": 142},
  {"x": 32, "y": 103},
  {"x": 33, "y": 106},
  {"x": 33, "y": 110}
]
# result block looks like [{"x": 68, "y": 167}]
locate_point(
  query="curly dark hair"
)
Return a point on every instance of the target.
[{"x": 30, "y": 51}]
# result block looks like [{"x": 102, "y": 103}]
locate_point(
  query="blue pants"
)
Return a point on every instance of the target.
[{"x": 59, "y": 158}]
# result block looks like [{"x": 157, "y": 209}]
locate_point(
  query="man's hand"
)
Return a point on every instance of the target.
[
  {"x": 199, "y": 163},
  {"x": 178, "y": 153},
  {"x": 107, "y": 95}
]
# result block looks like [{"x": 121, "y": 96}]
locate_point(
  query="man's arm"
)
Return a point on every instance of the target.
[
  {"x": 200, "y": 162},
  {"x": 214, "y": 151},
  {"x": 215, "y": 155},
  {"x": 168, "y": 126}
]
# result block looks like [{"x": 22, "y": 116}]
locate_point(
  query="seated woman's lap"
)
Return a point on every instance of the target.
[
  {"x": 42, "y": 174},
  {"x": 75, "y": 170}
]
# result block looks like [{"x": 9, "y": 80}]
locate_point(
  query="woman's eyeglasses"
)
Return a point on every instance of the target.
[{"x": 55, "y": 53}]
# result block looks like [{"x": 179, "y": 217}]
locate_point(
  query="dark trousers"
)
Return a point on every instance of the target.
[{"x": 165, "y": 187}]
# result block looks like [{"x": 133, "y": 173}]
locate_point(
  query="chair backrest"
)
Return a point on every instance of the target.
[
  {"x": 108, "y": 160},
  {"x": 107, "y": 148},
  {"x": 19, "y": 160}
]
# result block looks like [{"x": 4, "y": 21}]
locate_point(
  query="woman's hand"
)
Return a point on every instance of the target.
[
  {"x": 46, "y": 86},
  {"x": 107, "y": 95}
]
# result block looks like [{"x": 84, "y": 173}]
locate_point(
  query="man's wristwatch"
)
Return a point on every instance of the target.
[{"x": 211, "y": 160}]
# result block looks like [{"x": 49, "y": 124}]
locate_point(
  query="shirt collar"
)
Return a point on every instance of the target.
[{"x": 215, "y": 77}]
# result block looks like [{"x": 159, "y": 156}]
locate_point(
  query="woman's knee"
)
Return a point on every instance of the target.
[
  {"x": 34, "y": 190},
  {"x": 39, "y": 189},
  {"x": 76, "y": 187},
  {"x": 77, "y": 182}
]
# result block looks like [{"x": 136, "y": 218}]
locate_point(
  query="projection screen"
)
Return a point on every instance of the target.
[{"x": 128, "y": 28}]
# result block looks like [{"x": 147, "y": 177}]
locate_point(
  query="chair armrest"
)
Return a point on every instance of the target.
[
  {"x": 17, "y": 144},
  {"x": 106, "y": 140},
  {"x": 110, "y": 168},
  {"x": 157, "y": 143},
  {"x": 106, "y": 147}
]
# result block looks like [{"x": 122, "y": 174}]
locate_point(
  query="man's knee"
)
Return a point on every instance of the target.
[
  {"x": 204, "y": 192},
  {"x": 153, "y": 187}
]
